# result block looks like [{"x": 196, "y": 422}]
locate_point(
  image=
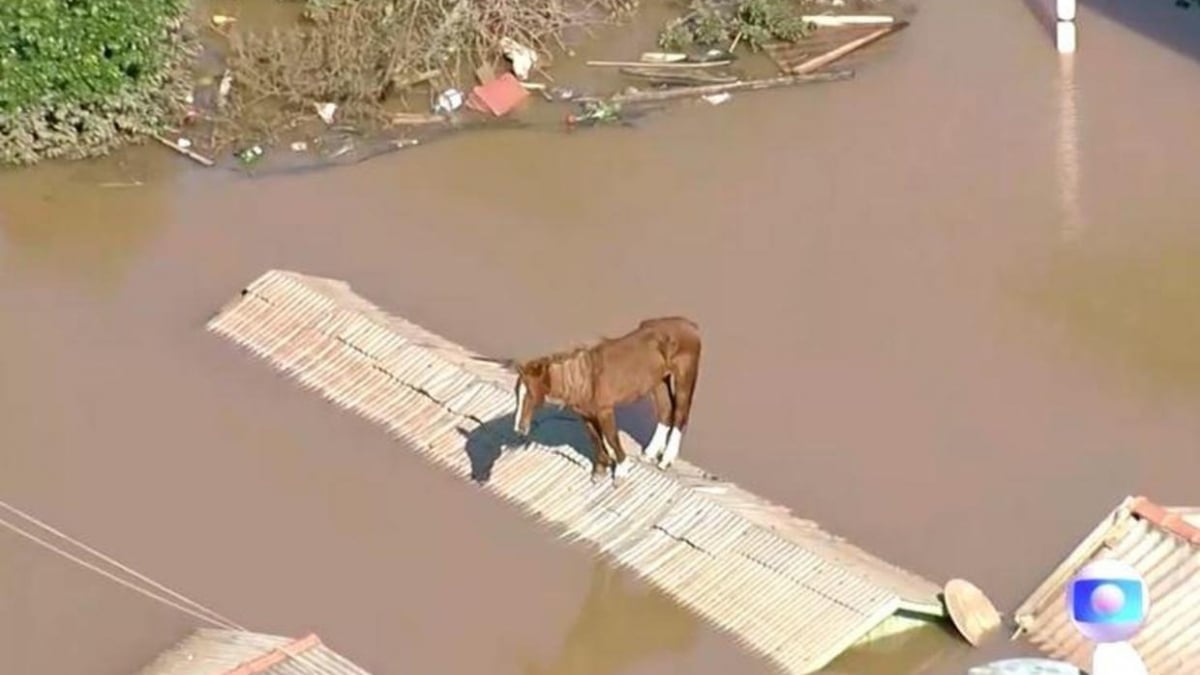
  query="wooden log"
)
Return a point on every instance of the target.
[
  {"x": 405, "y": 83},
  {"x": 417, "y": 118},
  {"x": 678, "y": 76},
  {"x": 185, "y": 152},
  {"x": 663, "y": 57},
  {"x": 650, "y": 64},
  {"x": 852, "y": 46},
  {"x": 741, "y": 85}
]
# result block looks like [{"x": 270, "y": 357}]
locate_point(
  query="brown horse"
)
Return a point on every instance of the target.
[{"x": 660, "y": 357}]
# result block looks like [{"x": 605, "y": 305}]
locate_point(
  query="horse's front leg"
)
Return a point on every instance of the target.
[{"x": 601, "y": 460}]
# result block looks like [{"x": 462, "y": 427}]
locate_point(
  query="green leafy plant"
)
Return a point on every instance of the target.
[
  {"x": 79, "y": 76},
  {"x": 720, "y": 24}
]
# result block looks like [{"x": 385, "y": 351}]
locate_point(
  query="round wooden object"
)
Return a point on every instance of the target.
[{"x": 972, "y": 613}]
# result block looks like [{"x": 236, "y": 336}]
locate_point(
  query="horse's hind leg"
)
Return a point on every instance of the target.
[
  {"x": 686, "y": 371},
  {"x": 608, "y": 427},
  {"x": 664, "y": 412},
  {"x": 601, "y": 460}
]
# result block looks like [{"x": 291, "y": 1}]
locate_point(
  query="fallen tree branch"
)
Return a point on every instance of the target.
[
  {"x": 657, "y": 64},
  {"x": 678, "y": 76},
  {"x": 184, "y": 151},
  {"x": 852, "y": 46},
  {"x": 742, "y": 85}
]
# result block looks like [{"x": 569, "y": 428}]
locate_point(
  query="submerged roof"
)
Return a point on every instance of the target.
[
  {"x": 231, "y": 652},
  {"x": 1163, "y": 545},
  {"x": 786, "y": 588}
]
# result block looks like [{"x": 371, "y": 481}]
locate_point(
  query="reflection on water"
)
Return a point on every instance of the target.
[
  {"x": 86, "y": 221},
  {"x": 619, "y": 625},
  {"x": 1135, "y": 306},
  {"x": 913, "y": 651},
  {"x": 1068, "y": 151}
]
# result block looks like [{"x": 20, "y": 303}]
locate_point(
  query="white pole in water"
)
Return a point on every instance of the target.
[{"x": 1064, "y": 35}]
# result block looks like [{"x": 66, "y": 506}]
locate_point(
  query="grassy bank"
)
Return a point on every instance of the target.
[{"x": 79, "y": 78}]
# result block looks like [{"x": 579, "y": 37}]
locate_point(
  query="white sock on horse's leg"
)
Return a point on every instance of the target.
[
  {"x": 608, "y": 449},
  {"x": 623, "y": 469},
  {"x": 672, "y": 452},
  {"x": 657, "y": 442}
]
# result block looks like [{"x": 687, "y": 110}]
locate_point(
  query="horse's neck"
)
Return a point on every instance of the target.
[{"x": 571, "y": 379}]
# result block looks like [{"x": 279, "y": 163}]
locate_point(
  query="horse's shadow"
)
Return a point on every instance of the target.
[{"x": 551, "y": 427}]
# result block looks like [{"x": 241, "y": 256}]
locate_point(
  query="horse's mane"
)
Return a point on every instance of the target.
[{"x": 570, "y": 374}]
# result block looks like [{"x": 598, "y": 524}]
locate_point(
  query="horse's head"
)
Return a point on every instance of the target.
[{"x": 533, "y": 384}]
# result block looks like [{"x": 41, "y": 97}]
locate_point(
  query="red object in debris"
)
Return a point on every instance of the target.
[{"x": 498, "y": 96}]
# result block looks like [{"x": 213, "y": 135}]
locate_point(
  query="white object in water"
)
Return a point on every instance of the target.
[
  {"x": 1065, "y": 10},
  {"x": 325, "y": 111},
  {"x": 184, "y": 143},
  {"x": 523, "y": 58},
  {"x": 449, "y": 101},
  {"x": 1117, "y": 658},
  {"x": 718, "y": 99},
  {"x": 1064, "y": 37},
  {"x": 829, "y": 20}
]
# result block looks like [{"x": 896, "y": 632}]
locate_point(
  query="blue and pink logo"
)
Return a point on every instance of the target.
[{"x": 1107, "y": 601}]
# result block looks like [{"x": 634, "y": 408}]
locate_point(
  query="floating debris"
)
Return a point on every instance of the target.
[
  {"x": 299, "y": 146},
  {"x": 449, "y": 101},
  {"x": 740, "y": 85},
  {"x": 184, "y": 151},
  {"x": 498, "y": 97},
  {"x": 184, "y": 143},
  {"x": 523, "y": 58},
  {"x": 717, "y": 99},
  {"x": 835, "y": 20},
  {"x": 972, "y": 613},
  {"x": 560, "y": 94},
  {"x": 416, "y": 119},
  {"x": 596, "y": 112},
  {"x": 223, "y": 88},
  {"x": 663, "y": 57},
  {"x": 325, "y": 111},
  {"x": 668, "y": 76},
  {"x": 220, "y": 20},
  {"x": 250, "y": 155}
]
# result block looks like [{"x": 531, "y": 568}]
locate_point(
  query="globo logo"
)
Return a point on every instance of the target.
[{"x": 1107, "y": 601}]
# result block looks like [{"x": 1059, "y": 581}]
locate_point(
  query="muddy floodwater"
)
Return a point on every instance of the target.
[{"x": 950, "y": 311}]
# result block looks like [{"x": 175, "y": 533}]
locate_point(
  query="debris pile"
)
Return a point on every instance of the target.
[{"x": 355, "y": 79}]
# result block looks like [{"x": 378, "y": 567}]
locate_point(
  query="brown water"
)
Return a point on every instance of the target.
[{"x": 950, "y": 311}]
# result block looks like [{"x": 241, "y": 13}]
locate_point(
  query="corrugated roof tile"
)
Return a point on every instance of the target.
[{"x": 1163, "y": 547}]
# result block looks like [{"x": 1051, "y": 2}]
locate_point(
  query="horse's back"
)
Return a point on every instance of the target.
[
  {"x": 676, "y": 336},
  {"x": 679, "y": 328}
]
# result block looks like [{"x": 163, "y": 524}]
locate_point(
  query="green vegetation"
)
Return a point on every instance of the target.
[
  {"x": 709, "y": 23},
  {"x": 80, "y": 77}
]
